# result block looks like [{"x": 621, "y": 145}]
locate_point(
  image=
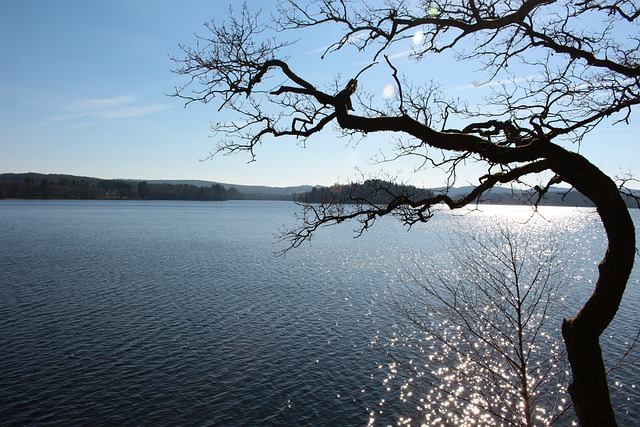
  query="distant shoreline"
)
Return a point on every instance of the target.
[{"x": 36, "y": 186}]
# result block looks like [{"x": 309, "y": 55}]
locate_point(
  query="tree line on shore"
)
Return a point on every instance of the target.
[
  {"x": 41, "y": 186},
  {"x": 371, "y": 191},
  {"x": 36, "y": 186}
]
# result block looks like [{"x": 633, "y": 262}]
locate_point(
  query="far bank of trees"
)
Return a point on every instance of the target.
[
  {"x": 149, "y": 191},
  {"x": 372, "y": 191},
  {"x": 63, "y": 187}
]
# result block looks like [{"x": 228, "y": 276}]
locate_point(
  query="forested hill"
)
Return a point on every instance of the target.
[
  {"x": 56, "y": 186},
  {"x": 373, "y": 191},
  {"x": 378, "y": 192},
  {"x": 39, "y": 186}
]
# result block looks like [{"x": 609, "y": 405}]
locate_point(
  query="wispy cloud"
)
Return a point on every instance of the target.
[
  {"x": 402, "y": 54},
  {"x": 318, "y": 50},
  {"x": 130, "y": 112},
  {"x": 113, "y": 108},
  {"x": 102, "y": 103}
]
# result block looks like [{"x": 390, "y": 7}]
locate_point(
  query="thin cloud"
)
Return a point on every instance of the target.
[
  {"x": 102, "y": 103},
  {"x": 403, "y": 54},
  {"x": 318, "y": 50},
  {"x": 113, "y": 108},
  {"x": 130, "y": 112}
]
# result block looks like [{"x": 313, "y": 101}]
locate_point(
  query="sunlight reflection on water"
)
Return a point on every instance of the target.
[{"x": 445, "y": 394}]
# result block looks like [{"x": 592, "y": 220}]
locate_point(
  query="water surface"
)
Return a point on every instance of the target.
[{"x": 178, "y": 313}]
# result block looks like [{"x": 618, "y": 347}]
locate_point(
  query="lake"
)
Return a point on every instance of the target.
[{"x": 179, "y": 313}]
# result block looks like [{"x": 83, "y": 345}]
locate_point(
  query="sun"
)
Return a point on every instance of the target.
[
  {"x": 417, "y": 37},
  {"x": 388, "y": 91}
]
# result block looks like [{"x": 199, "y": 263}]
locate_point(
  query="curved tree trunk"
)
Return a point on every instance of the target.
[{"x": 589, "y": 390}]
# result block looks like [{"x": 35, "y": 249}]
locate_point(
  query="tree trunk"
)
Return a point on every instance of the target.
[{"x": 589, "y": 390}]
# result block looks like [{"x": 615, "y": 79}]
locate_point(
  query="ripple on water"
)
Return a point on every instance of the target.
[{"x": 178, "y": 313}]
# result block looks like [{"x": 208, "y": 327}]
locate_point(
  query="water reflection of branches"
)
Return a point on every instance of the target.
[{"x": 481, "y": 348}]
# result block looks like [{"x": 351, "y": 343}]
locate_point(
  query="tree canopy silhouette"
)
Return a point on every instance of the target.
[{"x": 583, "y": 55}]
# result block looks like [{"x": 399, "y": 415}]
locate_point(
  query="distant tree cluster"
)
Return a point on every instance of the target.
[
  {"x": 44, "y": 188},
  {"x": 36, "y": 186},
  {"x": 185, "y": 192},
  {"x": 372, "y": 191}
]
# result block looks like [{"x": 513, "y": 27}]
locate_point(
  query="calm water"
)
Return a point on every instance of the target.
[{"x": 178, "y": 313}]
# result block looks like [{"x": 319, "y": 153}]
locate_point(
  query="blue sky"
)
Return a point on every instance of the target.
[{"x": 83, "y": 89}]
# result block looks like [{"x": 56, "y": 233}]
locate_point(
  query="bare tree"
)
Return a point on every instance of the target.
[
  {"x": 584, "y": 74},
  {"x": 479, "y": 335}
]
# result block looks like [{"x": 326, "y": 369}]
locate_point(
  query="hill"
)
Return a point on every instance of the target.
[
  {"x": 61, "y": 186},
  {"x": 251, "y": 192}
]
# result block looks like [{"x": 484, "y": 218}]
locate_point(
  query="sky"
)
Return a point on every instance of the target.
[{"x": 84, "y": 91}]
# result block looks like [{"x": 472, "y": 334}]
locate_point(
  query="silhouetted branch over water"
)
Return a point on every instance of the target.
[{"x": 584, "y": 73}]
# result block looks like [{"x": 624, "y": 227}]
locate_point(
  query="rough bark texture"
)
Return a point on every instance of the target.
[{"x": 589, "y": 390}]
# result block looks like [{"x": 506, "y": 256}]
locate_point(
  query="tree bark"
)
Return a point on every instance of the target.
[{"x": 589, "y": 390}]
